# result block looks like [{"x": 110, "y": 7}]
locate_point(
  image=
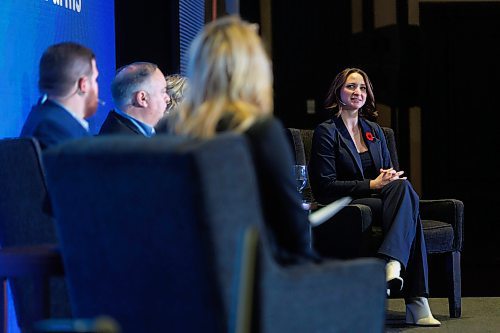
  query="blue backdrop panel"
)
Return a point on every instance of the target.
[
  {"x": 191, "y": 21},
  {"x": 27, "y": 28}
]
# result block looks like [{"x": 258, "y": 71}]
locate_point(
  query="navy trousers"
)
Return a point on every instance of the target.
[{"x": 396, "y": 210}]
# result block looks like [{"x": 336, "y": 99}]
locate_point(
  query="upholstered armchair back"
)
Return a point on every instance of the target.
[
  {"x": 154, "y": 232},
  {"x": 132, "y": 215},
  {"x": 24, "y": 204},
  {"x": 26, "y": 227}
]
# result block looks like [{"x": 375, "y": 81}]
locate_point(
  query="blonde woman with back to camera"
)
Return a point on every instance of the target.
[{"x": 230, "y": 89}]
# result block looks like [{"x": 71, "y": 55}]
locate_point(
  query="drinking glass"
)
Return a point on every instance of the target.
[{"x": 300, "y": 172}]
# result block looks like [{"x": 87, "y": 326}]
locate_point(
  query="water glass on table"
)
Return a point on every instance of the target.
[{"x": 300, "y": 173}]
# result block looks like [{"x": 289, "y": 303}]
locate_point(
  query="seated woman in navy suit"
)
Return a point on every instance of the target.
[
  {"x": 349, "y": 157},
  {"x": 230, "y": 89}
]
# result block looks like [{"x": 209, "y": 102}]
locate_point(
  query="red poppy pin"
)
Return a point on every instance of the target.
[{"x": 369, "y": 136}]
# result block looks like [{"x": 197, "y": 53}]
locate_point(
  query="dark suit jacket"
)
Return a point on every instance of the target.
[
  {"x": 285, "y": 219},
  {"x": 50, "y": 124},
  {"x": 335, "y": 168},
  {"x": 164, "y": 125},
  {"x": 118, "y": 124}
]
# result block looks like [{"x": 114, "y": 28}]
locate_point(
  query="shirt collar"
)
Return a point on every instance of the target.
[
  {"x": 142, "y": 127},
  {"x": 81, "y": 121}
]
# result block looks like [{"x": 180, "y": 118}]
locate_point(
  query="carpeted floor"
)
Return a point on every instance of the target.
[{"x": 479, "y": 314}]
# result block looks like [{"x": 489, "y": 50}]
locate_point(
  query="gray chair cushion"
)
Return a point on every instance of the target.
[{"x": 438, "y": 236}]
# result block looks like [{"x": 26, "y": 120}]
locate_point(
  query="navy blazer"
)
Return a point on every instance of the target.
[
  {"x": 115, "y": 123},
  {"x": 335, "y": 167},
  {"x": 51, "y": 124}
]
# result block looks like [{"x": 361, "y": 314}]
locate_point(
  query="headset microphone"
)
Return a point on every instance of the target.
[
  {"x": 340, "y": 101},
  {"x": 42, "y": 99}
]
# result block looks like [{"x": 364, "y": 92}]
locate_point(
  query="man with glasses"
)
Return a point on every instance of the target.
[{"x": 68, "y": 81}]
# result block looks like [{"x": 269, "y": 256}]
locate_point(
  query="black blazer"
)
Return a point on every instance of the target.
[
  {"x": 118, "y": 124},
  {"x": 335, "y": 168},
  {"x": 285, "y": 219},
  {"x": 51, "y": 124}
]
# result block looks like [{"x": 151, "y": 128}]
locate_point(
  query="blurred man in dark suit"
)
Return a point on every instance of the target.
[
  {"x": 140, "y": 95},
  {"x": 68, "y": 81}
]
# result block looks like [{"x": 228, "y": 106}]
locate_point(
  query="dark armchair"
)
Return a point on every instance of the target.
[
  {"x": 154, "y": 233},
  {"x": 350, "y": 234},
  {"x": 29, "y": 258}
]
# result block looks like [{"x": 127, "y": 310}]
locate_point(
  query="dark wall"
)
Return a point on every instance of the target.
[
  {"x": 460, "y": 117},
  {"x": 312, "y": 42},
  {"x": 390, "y": 55},
  {"x": 148, "y": 34},
  {"x": 310, "y": 45}
]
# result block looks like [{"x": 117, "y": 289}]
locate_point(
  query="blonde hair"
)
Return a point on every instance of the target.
[
  {"x": 176, "y": 87},
  {"x": 230, "y": 78}
]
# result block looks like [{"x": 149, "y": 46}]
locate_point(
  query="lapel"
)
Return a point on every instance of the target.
[
  {"x": 127, "y": 123},
  {"x": 346, "y": 139},
  {"x": 64, "y": 118},
  {"x": 374, "y": 146}
]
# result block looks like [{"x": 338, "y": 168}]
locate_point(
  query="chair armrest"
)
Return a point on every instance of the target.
[
  {"x": 32, "y": 260},
  {"x": 450, "y": 211},
  {"x": 101, "y": 324},
  {"x": 340, "y": 296},
  {"x": 324, "y": 214},
  {"x": 346, "y": 234},
  {"x": 359, "y": 212},
  {"x": 37, "y": 263}
]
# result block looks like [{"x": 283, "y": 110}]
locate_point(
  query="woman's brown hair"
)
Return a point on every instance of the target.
[{"x": 333, "y": 97}]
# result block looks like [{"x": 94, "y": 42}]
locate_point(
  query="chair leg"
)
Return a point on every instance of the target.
[
  {"x": 454, "y": 284},
  {"x": 41, "y": 298},
  {"x": 246, "y": 283}
]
